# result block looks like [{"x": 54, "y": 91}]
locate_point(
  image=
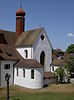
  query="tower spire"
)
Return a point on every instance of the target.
[
  {"x": 20, "y": 19},
  {"x": 20, "y": 3}
]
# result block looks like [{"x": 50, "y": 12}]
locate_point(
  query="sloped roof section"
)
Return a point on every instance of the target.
[
  {"x": 28, "y": 63},
  {"x": 28, "y": 38},
  {"x": 9, "y": 53},
  {"x": 7, "y": 37},
  {"x": 58, "y": 62}
]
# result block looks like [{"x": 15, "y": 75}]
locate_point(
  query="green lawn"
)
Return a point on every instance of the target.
[
  {"x": 52, "y": 92},
  {"x": 43, "y": 96}
]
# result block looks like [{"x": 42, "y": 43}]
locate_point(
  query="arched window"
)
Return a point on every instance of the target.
[
  {"x": 17, "y": 71},
  {"x": 26, "y": 53},
  {"x": 24, "y": 73},
  {"x": 32, "y": 74},
  {"x": 42, "y": 58}
]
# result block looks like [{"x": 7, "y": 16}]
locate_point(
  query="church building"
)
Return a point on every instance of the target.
[{"x": 25, "y": 55}]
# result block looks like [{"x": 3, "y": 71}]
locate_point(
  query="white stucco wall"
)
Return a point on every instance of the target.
[
  {"x": 27, "y": 82},
  {"x": 22, "y": 53},
  {"x": 34, "y": 51},
  {"x": 43, "y": 45},
  {"x": 4, "y": 71},
  {"x": 55, "y": 67}
]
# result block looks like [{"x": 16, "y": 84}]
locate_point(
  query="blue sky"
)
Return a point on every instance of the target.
[{"x": 56, "y": 16}]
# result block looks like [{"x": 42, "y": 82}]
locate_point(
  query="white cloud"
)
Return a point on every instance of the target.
[{"x": 70, "y": 35}]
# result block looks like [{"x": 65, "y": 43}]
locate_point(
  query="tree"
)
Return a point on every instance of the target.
[
  {"x": 70, "y": 65},
  {"x": 60, "y": 72},
  {"x": 57, "y": 53},
  {"x": 70, "y": 49}
]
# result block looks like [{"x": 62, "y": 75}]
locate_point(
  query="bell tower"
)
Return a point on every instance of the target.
[{"x": 20, "y": 20}]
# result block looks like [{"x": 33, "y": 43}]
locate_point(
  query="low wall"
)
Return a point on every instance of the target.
[{"x": 49, "y": 81}]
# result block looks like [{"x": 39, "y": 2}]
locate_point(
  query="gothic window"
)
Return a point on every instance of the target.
[
  {"x": 17, "y": 71},
  {"x": 32, "y": 74},
  {"x": 24, "y": 73},
  {"x": 7, "y": 66},
  {"x": 42, "y": 58},
  {"x": 26, "y": 53}
]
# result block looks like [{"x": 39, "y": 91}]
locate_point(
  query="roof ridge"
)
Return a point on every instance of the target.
[{"x": 34, "y": 29}]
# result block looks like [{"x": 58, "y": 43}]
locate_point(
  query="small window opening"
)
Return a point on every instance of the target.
[
  {"x": 24, "y": 73},
  {"x": 9, "y": 54},
  {"x": 26, "y": 53},
  {"x": 32, "y": 74},
  {"x": 7, "y": 66},
  {"x": 17, "y": 71}
]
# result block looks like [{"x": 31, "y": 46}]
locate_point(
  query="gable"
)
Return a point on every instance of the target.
[{"x": 42, "y": 40}]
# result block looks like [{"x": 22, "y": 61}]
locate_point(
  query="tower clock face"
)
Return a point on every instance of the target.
[{"x": 42, "y": 37}]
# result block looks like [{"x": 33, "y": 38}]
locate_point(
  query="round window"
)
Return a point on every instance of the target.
[{"x": 42, "y": 37}]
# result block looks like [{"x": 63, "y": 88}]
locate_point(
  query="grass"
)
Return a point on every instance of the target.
[
  {"x": 52, "y": 92},
  {"x": 43, "y": 96}
]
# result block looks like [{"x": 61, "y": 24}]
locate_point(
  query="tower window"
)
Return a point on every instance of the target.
[
  {"x": 24, "y": 73},
  {"x": 17, "y": 20},
  {"x": 26, "y": 53},
  {"x": 32, "y": 74},
  {"x": 7, "y": 66},
  {"x": 18, "y": 27}
]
